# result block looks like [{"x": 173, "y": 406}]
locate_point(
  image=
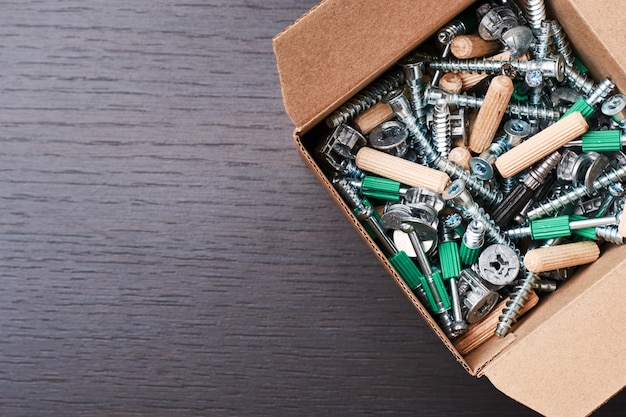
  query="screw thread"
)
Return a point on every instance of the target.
[
  {"x": 609, "y": 234},
  {"x": 348, "y": 192},
  {"x": 480, "y": 65},
  {"x": 450, "y": 31},
  {"x": 508, "y": 184},
  {"x": 366, "y": 98},
  {"x": 474, "y": 184},
  {"x": 542, "y": 33},
  {"x": 518, "y": 233},
  {"x": 516, "y": 302},
  {"x": 612, "y": 176},
  {"x": 538, "y": 175},
  {"x": 441, "y": 128},
  {"x": 417, "y": 99},
  {"x": 517, "y": 109},
  {"x": 474, "y": 236},
  {"x": 601, "y": 92},
  {"x": 559, "y": 38},
  {"x": 535, "y": 13},
  {"x": 578, "y": 80}
]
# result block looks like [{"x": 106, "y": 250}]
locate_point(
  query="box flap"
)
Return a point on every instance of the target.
[
  {"x": 569, "y": 355},
  {"x": 593, "y": 29},
  {"x": 339, "y": 46}
]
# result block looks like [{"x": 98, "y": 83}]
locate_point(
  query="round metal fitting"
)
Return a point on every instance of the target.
[
  {"x": 615, "y": 106},
  {"x": 481, "y": 168},
  {"x": 477, "y": 300},
  {"x": 517, "y": 130},
  {"x": 498, "y": 265},
  {"x": 390, "y": 137},
  {"x": 517, "y": 40}
]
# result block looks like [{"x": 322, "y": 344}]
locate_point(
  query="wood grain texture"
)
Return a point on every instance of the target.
[{"x": 165, "y": 251}]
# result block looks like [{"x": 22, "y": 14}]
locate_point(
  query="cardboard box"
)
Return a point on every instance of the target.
[{"x": 564, "y": 358}]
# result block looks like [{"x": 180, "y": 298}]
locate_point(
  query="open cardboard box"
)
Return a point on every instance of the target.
[{"x": 566, "y": 356}]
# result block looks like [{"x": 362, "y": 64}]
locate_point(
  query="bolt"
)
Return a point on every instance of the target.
[
  {"x": 559, "y": 39},
  {"x": 611, "y": 176},
  {"x": 550, "y": 67},
  {"x": 536, "y": 14},
  {"x": 473, "y": 240},
  {"x": 516, "y": 302},
  {"x": 366, "y": 98},
  {"x": 559, "y": 226},
  {"x": 441, "y": 128},
  {"x": 518, "y": 109},
  {"x": 414, "y": 69}
]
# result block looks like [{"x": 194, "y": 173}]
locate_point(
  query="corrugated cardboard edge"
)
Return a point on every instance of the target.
[
  {"x": 593, "y": 29},
  {"x": 562, "y": 347},
  {"x": 374, "y": 248},
  {"x": 340, "y": 46}
]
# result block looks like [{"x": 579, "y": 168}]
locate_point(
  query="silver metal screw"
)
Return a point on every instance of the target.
[
  {"x": 549, "y": 67},
  {"x": 366, "y": 98},
  {"x": 413, "y": 72},
  {"x": 441, "y": 128},
  {"x": 535, "y": 13},
  {"x": 611, "y": 176},
  {"x": 517, "y": 301},
  {"x": 559, "y": 39}
]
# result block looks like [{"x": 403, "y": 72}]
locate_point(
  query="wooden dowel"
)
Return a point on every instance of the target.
[
  {"x": 482, "y": 331},
  {"x": 491, "y": 113},
  {"x": 451, "y": 82},
  {"x": 398, "y": 169},
  {"x": 461, "y": 156},
  {"x": 472, "y": 46},
  {"x": 372, "y": 117},
  {"x": 542, "y": 144},
  {"x": 561, "y": 256}
]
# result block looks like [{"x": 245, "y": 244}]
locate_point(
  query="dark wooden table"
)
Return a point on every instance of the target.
[{"x": 164, "y": 249}]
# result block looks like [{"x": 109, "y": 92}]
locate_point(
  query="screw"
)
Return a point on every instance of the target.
[
  {"x": 518, "y": 109},
  {"x": 473, "y": 240},
  {"x": 559, "y": 39},
  {"x": 549, "y": 67},
  {"x": 578, "y": 80},
  {"x": 609, "y": 234},
  {"x": 611, "y": 176},
  {"x": 541, "y": 47},
  {"x": 559, "y": 226},
  {"x": 462, "y": 200},
  {"x": 366, "y": 98},
  {"x": 441, "y": 128},
  {"x": 482, "y": 165},
  {"x": 400, "y": 105},
  {"x": 536, "y": 14},
  {"x": 413, "y": 72},
  {"x": 516, "y": 302}
]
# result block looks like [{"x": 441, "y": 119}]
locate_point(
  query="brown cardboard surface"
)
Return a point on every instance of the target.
[
  {"x": 568, "y": 357},
  {"x": 593, "y": 29},
  {"x": 337, "y": 48}
]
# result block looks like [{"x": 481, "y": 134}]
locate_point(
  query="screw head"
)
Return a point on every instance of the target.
[
  {"x": 561, "y": 65},
  {"x": 454, "y": 190},
  {"x": 481, "y": 168}
]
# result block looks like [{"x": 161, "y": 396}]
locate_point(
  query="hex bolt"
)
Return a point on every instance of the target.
[
  {"x": 400, "y": 106},
  {"x": 413, "y": 72},
  {"x": 462, "y": 200},
  {"x": 524, "y": 190},
  {"x": 550, "y": 67},
  {"x": 611, "y": 176},
  {"x": 490, "y": 113},
  {"x": 542, "y": 144},
  {"x": 559, "y": 226},
  {"x": 516, "y": 303},
  {"x": 366, "y": 98},
  {"x": 561, "y": 256}
]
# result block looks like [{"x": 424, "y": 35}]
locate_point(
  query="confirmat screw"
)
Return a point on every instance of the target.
[
  {"x": 549, "y": 67},
  {"x": 535, "y": 13},
  {"x": 516, "y": 302},
  {"x": 441, "y": 128},
  {"x": 413, "y": 73},
  {"x": 366, "y": 98},
  {"x": 611, "y": 176},
  {"x": 561, "y": 43}
]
